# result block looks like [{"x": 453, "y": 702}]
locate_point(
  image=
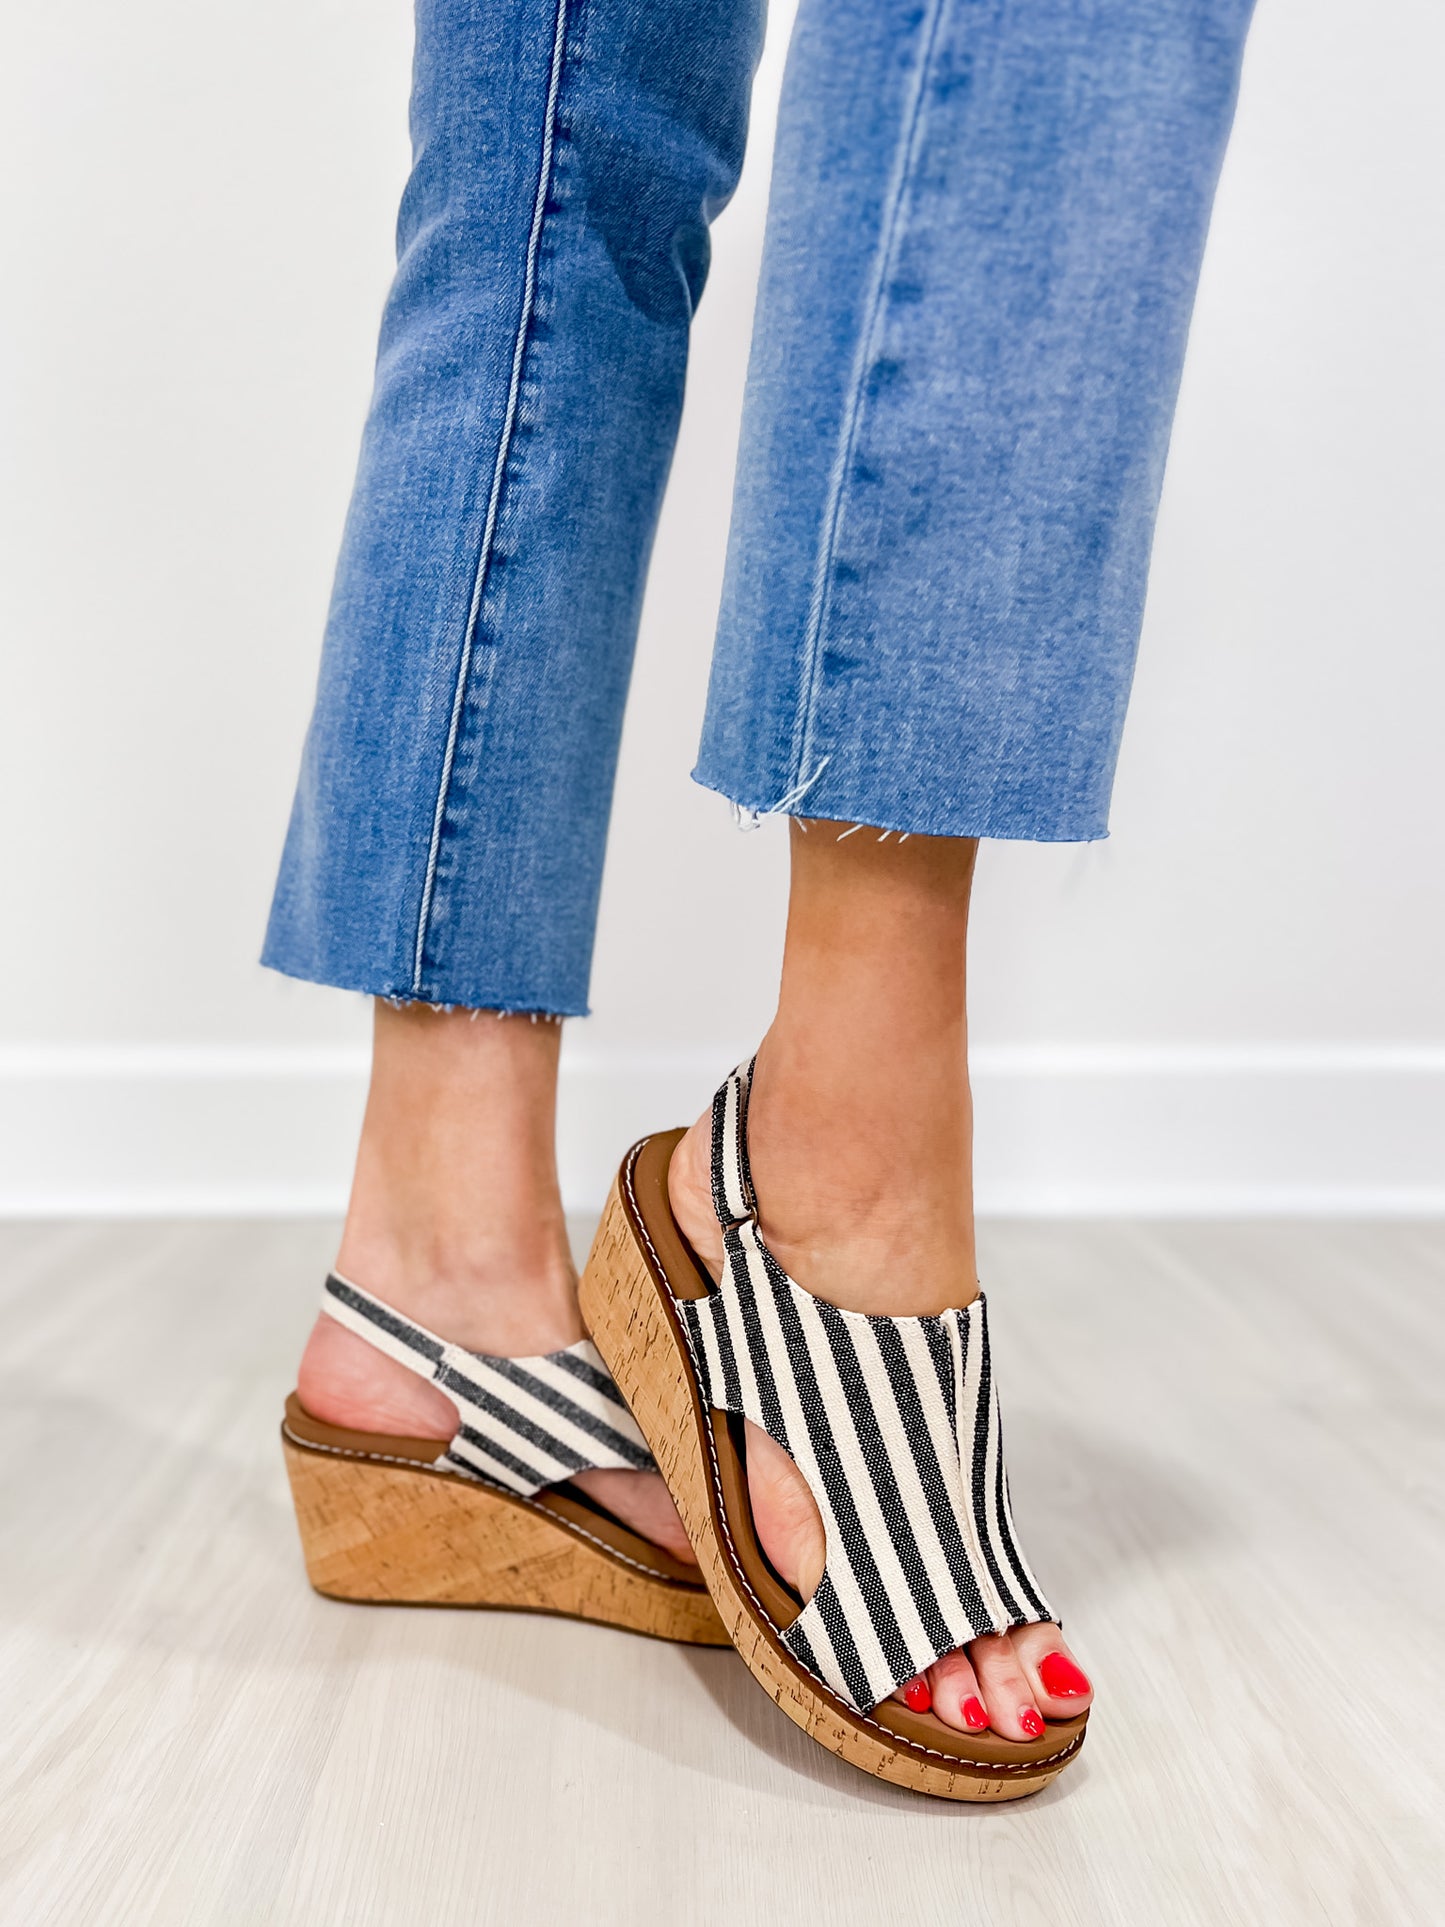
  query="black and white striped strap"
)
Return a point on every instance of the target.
[
  {"x": 525, "y": 1422},
  {"x": 894, "y": 1424}
]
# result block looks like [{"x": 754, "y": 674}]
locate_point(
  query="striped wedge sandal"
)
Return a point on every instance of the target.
[
  {"x": 490, "y": 1518},
  {"x": 894, "y": 1424}
]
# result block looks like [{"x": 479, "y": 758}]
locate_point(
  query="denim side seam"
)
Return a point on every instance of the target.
[
  {"x": 494, "y": 499},
  {"x": 820, "y": 601}
]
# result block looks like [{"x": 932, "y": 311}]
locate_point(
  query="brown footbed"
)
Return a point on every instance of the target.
[
  {"x": 675, "y": 1270},
  {"x": 565, "y": 1504}
]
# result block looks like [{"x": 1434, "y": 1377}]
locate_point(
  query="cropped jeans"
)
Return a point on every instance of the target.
[{"x": 984, "y": 235}]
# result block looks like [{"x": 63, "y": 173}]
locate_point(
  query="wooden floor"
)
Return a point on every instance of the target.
[{"x": 1226, "y": 1444}]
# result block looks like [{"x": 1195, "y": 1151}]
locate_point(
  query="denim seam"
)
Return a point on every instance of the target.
[
  {"x": 819, "y": 603},
  {"x": 494, "y": 498}
]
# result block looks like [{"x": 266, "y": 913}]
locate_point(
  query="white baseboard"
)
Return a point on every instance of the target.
[{"x": 1356, "y": 1131}]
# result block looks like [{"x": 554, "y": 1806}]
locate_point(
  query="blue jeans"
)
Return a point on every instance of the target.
[{"x": 986, "y": 224}]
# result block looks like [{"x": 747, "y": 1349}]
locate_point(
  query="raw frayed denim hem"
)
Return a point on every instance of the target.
[
  {"x": 1000, "y": 827},
  {"x": 472, "y": 1010},
  {"x": 478, "y": 998}
]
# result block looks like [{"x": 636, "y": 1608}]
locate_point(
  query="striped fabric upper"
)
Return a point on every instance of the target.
[
  {"x": 525, "y": 1422},
  {"x": 894, "y": 1424}
]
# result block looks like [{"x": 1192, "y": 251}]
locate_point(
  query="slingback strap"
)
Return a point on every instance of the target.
[
  {"x": 893, "y": 1422},
  {"x": 525, "y": 1423},
  {"x": 732, "y": 1177}
]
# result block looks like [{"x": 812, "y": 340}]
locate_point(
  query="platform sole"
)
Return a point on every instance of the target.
[{"x": 396, "y": 1535}]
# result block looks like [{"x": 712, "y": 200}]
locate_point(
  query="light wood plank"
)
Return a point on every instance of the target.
[{"x": 1226, "y": 1443}]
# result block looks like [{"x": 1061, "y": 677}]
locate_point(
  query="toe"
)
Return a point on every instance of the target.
[
  {"x": 954, "y": 1687},
  {"x": 1061, "y": 1688},
  {"x": 1005, "y": 1688},
  {"x": 916, "y": 1692}
]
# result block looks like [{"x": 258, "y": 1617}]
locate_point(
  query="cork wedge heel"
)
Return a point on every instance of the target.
[
  {"x": 857, "y": 1402},
  {"x": 470, "y": 1522}
]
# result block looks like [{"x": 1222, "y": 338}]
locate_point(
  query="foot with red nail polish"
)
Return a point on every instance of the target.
[
  {"x": 1012, "y": 1682},
  {"x": 858, "y": 1142}
]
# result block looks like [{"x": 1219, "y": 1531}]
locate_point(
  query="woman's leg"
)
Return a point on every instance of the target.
[
  {"x": 446, "y": 843},
  {"x": 984, "y": 239}
]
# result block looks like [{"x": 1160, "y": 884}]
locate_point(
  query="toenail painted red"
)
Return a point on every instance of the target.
[
  {"x": 917, "y": 1695},
  {"x": 974, "y": 1716},
  {"x": 1060, "y": 1678},
  {"x": 1032, "y": 1722}
]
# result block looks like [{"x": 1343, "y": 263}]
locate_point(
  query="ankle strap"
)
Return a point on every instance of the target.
[{"x": 732, "y": 1179}]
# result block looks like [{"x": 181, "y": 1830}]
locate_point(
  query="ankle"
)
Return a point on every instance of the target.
[
  {"x": 861, "y": 1164},
  {"x": 485, "y": 1291},
  {"x": 872, "y": 1219},
  {"x": 860, "y": 1122},
  {"x": 455, "y": 1216}
]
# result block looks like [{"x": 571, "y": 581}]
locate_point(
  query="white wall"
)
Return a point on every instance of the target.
[{"x": 1235, "y": 1003}]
